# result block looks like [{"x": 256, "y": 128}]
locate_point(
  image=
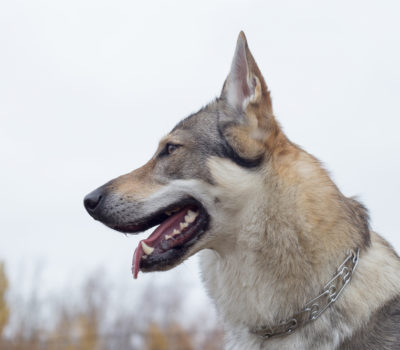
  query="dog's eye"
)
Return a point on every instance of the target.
[
  {"x": 168, "y": 149},
  {"x": 171, "y": 148}
]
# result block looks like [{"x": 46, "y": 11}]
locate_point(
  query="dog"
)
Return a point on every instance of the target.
[{"x": 288, "y": 260}]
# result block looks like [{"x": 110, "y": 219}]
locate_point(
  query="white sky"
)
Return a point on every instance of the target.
[{"x": 88, "y": 87}]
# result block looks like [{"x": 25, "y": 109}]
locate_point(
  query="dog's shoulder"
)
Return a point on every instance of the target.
[{"x": 382, "y": 331}]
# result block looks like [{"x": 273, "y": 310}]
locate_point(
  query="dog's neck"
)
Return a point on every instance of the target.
[
  {"x": 267, "y": 268},
  {"x": 318, "y": 305},
  {"x": 264, "y": 289}
]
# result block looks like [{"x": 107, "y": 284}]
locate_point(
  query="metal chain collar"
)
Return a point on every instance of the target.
[{"x": 314, "y": 308}]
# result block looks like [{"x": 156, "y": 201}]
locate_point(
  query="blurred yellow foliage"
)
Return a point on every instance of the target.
[
  {"x": 85, "y": 325},
  {"x": 180, "y": 338},
  {"x": 4, "y": 310},
  {"x": 156, "y": 338},
  {"x": 88, "y": 332}
]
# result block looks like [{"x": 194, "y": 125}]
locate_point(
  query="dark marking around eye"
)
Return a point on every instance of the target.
[{"x": 168, "y": 149}]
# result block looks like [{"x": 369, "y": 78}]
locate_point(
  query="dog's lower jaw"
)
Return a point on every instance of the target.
[{"x": 246, "y": 299}]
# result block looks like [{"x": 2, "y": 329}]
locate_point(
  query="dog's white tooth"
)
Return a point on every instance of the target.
[
  {"x": 189, "y": 218},
  {"x": 183, "y": 225},
  {"x": 193, "y": 213},
  {"x": 147, "y": 249},
  {"x": 174, "y": 233}
]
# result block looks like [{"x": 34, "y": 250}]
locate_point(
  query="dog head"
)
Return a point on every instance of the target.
[{"x": 198, "y": 182}]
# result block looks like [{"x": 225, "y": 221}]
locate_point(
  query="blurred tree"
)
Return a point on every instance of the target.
[
  {"x": 4, "y": 310},
  {"x": 88, "y": 329},
  {"x": 85, "y": 320},
  {"x": 156, "y": 338},
  {"x": 180, "y": 339},
  {"x": 94, "y": 297},
  {"x": 63, "y": 331}
]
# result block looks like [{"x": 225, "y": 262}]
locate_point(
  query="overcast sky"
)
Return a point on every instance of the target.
[{"x": 88, "y": 87}]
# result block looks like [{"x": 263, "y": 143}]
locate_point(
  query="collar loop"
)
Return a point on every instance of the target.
[{"x": 315, "y": 307}]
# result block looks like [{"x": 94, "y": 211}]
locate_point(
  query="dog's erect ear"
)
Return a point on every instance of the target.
[
  {"x": 246, "y": 93},
  {"x": 245, "y": 84}
]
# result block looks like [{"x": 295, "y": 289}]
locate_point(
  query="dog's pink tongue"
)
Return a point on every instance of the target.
[{"x": 157, "y": 236}]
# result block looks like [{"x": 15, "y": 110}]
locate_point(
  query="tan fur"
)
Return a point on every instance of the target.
[
  {"x": 252, "y": 273},
  {"x": 279, "y": 227},
  {"x": 271, "y": 256},
  {"x": 138, "y": 184}
]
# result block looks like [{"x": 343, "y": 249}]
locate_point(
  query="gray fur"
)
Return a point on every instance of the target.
[
  {"x": 278, "y": 226},
  {"x": 381, "y": 332},
  {"x": 203, "y": 133}
]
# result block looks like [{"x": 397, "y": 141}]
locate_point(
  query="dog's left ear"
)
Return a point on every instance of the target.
[
  {"x": 246, "y": 93},
  {"x": 245, "y": 84}
]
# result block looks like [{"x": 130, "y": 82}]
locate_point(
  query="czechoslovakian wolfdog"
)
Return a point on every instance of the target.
[{"x": 288, "y": 260}]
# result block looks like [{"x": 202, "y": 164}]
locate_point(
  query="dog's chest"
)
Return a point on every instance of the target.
[
  {"x": 243, "y": 302},
  {"x": 234, "y": 290}
]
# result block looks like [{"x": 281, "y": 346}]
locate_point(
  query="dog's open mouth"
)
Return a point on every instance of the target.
[{"x": 180, "y": 226}]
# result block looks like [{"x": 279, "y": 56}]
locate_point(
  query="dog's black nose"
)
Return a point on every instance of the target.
[{"x": 93, "y": 199}]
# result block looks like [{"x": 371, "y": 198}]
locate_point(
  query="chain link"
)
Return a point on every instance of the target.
[{"x": 314, "y": 308}]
